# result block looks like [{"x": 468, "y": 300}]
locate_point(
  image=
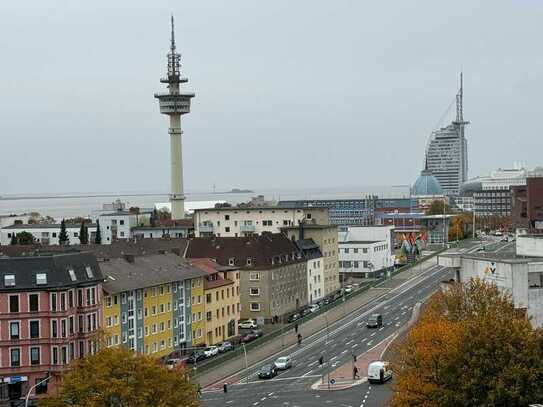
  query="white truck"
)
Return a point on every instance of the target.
[{"x": 379, "y": 372}]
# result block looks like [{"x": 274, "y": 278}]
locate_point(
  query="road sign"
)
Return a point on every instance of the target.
[{"x": 332, "y": 381}]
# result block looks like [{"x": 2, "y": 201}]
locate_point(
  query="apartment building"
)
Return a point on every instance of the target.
[
  {"x": 315, "y": 269},
  {"x": 50, "y": 312},
  {"x": 273, "y": 275},
  {"x": 153, "y": 304},
  {"x": 326, "y": 237},
  {"x": 240, "y": 222},
  {"x": 45, "y": 234},
  {"x": 222, "y": 300}
]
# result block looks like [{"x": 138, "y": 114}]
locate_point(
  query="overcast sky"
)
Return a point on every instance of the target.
[{"x": 289, "y": 94}]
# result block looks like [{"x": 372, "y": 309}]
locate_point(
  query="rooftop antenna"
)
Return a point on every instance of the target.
[{"x": 459, "y": 103}]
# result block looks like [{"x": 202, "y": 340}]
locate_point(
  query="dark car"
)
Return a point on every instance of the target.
[
  {"x": 248, "y": 337},
  {"x": 267, "y": 372},
  {"x": 258, "y": 332},
  {"x": 196, "y": 357},
  {"x": 293, "y": 317},
  {"x": 375, "y": 321}
]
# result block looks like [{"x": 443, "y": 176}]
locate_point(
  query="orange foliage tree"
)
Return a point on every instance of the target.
[
  {"x": 121, "y": 378},
  {"x": 471, "y": 347}
]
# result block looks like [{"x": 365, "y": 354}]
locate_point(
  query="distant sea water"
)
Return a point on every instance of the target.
[{"x": 83, "y": 204}]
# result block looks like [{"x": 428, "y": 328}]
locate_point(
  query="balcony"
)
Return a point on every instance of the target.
[
  {"x": 205, "y": 228},
  {"x": 247, "y": 228}
]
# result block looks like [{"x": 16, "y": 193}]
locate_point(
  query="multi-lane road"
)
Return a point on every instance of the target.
[{"x": 337, "y": 345}]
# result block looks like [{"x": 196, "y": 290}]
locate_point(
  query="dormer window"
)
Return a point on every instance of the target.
[
  {"x": 9, "y": 280},
  {"x": 249, "y": 261},
  {"x": 41, "y": 279},
  {"x": 71, "y": 273},
  {"x": 88, "y": 270},
  {"x": 231, "y": 261}
]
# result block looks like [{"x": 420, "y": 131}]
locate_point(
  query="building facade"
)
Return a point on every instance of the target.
[
  {"x": 527, "y": 201},
  {"x": 45, "y": 234},
  {"x": 153, "y": 304},
  {"x": 50, "y": 313},
  {"x": 326, "y": 237},
  {"x": 239, "y": 222},
  {"x": 273, "y": 275},
  {"x": 315, "y": 269}
]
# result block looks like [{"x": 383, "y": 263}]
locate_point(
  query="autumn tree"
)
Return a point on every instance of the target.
[
  {"x": 120, "y": 377},
  {"x": 471, "y": 347}
]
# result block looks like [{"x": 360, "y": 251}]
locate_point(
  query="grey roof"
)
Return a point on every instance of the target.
[
  {"x": 310, "y": 249},
  {"x": 47, "y": 226},
  {"x": 142, "y": 211},
  {"x": 160, "y": 228},
  {"x": 310, "y": 226},
  {"x": 146, "y": 271},
  {"x": 426, "y": 184},
  {"x": 257, "y": 208},
  {"x": 55, "y": 266},
  {"x": 360, "y": 241}
]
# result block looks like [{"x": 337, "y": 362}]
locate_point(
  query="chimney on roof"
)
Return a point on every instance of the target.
[
  {"x": 301, "y": 229},
  {"x": 129, "y": 258}
]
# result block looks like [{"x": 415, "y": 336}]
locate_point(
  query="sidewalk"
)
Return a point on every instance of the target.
[
  {"x": 343, "y": 375},
  {"x": 231, "y": 370}
]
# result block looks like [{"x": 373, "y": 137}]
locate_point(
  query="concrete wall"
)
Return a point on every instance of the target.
[{"x": 530, "y": 246}]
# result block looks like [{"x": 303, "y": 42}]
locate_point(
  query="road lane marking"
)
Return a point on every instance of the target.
[
  {"x": 373, "y": 334},
  {"x": 348, "y": 343},
  {"x": 369, "y": 343},
  {"x": 333, "y": 357},
  {"x": 313, "y": 363},
  {"x": 354, "y": 346}
]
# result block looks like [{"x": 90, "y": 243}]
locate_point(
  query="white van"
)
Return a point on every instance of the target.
[{"x": 379, "y": 372}]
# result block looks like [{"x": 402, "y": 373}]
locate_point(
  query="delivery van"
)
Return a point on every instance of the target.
[{"x": 379, "y": 372}]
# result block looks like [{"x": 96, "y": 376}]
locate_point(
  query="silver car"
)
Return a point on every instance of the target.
[{"x": 283, "y": 363}]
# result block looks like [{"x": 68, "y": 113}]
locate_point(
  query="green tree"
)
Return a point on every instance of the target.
[
  {"x": 63, "y": 238},
  {"x": 120, "y": 377},
  {"x": 83, "y": 233},
  {"x": 98, "y": 235},
  {"x": 13, "y": 239},
  {"x": 24, "y": 238},
  {"x": 471, "y": 347},
  {"x": 438, "y": 207}
]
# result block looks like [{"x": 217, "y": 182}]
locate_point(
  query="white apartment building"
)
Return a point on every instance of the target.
[
  {"x": 45, "y": 234},
  {"x": 522, "y": 278},
  {"x": 238, "y": 222},
  {"x": 8, "y": 220},
  {"x": 315, "y": 269},
  {"x": 366, "y": 251},
  {"x": 158, "y": 232},
  {"x": 118, "y": 225}
]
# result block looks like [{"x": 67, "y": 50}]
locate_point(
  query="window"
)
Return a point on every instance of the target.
[
  {"x": 255, "y": 306},
  {"x": 254, "y": 276},
  {"x": 249, "y": 261},
  {"x": 9, "y": 280},
  {"x": 63, "y": 301},
  {"x": 63, "y": 328},
  {"x": 80, "y": 297},
  {"x": 208, "y": 316},
  {"x": 231, "y": 261},
  {"x": 121, "y": 222},
  {"x": 70, "y": 299},
  {"x": 34, "y": 328},
  {"x": 71, "y": 273},
  {"x": 88, "y": 270},
  {"x": 33, "y": 303},
  {"x": 227, "y": 229},
  {"x": 15, "y": 357},
  {"x": 226, "y": 217},
  {"x": 54, "y": 328},
  {"x": 13, "y": 303},
  {"x": 208, "y": 298},
  {"x": 54, "y": 356},
  {"x": 35, "y": 355},
  {"x": 254, "y": 291},
  {"x": 14, "y": 330},
  {"x": 41, "y": 278}
]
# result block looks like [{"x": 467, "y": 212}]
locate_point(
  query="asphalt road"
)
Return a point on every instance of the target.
[{"x": 337, "y": 344}]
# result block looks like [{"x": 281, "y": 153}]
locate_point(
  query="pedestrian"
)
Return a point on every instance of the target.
[
  {"x": 199, "y": 391},
  {"x": 296, "y": 327},
  {"x": 321, "y": 360},
  {"x": 225, "y": 388},
  {"x": 355, "y": 373},
  {"x": 299, "y": 339},
  {"x": 354, "y": 358}
]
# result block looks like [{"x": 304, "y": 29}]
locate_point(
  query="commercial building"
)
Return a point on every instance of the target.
[
  {"x": 315, "y": 269},
  {"x": 435, "y": 226},
  {"x": 527, "y": 211},
  {"x": 50, "y": 312},
  {"x": 45, "y": 234},
  {"x": 325, "y": 236},
  {"x": 153, "y": 304},
  {"x": 247, "y": 221},
  {"x": 426, "y": 190},
  {"x": 222, "y": 300},
  {"x": 366, "y": 252},
  {"x": 447, "y": 151},
  {"x": 273, "y": 276},
  {"x": 521, "y": 278}
]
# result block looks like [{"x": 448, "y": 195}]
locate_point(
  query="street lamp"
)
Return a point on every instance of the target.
[
  {"x": 246, "y": 364},
  {"x": 27, "y": 398}
]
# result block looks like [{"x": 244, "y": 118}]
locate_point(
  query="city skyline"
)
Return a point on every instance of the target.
[{"x": 94, "y": 127}]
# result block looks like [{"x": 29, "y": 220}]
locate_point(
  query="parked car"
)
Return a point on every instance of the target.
[
  {"x": 375, "y": 321},
  {"x": 267, "y": 372},
  {"x": 247, "y": 324},
  {"x": 379, "y": 372},
  {"x": 248, "y": 337},
  {"x": 258, "y": 332},
  {"x": 283, "y": 363},
  {"x": 171, "y": 363},
  {"x": 225, "y": 347},
  {"x": 348, "y": 289},
  {"x": 314, "y": 307},
  {"x": 211, "y": 351},
  {"x": 196, "y": 357},
  {"x": 293, "y": 318},
  {"x": 306, "y": 311}
]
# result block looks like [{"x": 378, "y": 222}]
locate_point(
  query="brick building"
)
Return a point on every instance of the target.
[{"x": 527, "y": 201}]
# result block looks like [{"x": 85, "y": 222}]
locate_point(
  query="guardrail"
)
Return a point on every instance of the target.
[{"x": 238, "y": 350}]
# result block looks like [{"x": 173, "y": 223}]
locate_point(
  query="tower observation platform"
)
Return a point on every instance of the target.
[{"x": 174, "y": 103}]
